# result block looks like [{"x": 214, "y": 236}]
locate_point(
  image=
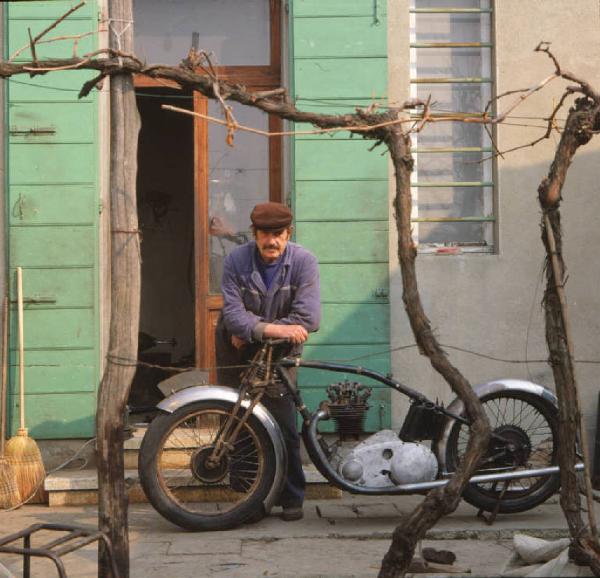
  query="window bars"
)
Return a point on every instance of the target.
[{"x": 451, "y": 53}]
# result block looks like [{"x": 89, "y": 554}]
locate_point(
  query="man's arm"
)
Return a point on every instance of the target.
[
  {"x": 239, "y": 321},
  {"x": 305, "y": 312}
]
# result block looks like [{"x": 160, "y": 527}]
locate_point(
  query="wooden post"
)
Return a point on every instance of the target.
[{"x": 125, "y": 299}]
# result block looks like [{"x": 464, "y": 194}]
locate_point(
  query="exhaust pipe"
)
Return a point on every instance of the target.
[
  {"x": 489, "y": 478},
  {"x": 320, "y": 460}
]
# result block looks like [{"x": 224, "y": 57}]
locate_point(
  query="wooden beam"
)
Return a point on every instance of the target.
[{"x": 125, "y": 300}]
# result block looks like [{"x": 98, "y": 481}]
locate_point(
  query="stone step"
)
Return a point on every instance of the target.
[{"x": 80, "y": 487}]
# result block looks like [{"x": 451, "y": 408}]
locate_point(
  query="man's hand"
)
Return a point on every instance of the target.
[
  {"x": 237, "y": 342},
  {"x": 294, "y": 333}
]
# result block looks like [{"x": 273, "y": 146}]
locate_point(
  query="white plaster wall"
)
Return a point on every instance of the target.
[{"x": 491, "y": 304}]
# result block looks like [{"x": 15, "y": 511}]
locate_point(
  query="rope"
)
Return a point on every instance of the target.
[
  {"x": 118, "y": 35},
  {"x": 129, "y": 362},
  {"x": 52, "y": 471}
]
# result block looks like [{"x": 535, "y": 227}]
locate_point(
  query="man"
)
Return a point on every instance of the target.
[{"x": 270, "y": 290}]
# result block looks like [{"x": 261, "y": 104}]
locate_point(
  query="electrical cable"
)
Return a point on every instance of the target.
[
  {"x": 312, "y": 100},
  {"x": 54, "y": 470}
]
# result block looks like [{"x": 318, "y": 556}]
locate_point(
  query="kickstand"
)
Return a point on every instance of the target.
[{"x": 489, "y": 520}]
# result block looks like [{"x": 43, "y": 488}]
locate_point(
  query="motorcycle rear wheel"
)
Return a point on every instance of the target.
[
  {"x": 530, "y": 424},
  {"x": 190, "y": 492}
]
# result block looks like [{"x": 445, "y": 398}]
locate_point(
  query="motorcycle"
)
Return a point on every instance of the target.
[{"x": 215, "y": 458}]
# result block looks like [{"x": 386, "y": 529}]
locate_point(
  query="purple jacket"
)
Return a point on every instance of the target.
[{"x": 292, "y": 299}]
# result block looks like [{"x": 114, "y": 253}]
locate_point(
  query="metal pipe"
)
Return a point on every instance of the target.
[
  {"x": 450, "y": 10},
  {"x": 432, "y": 150},
  {"x": 453, "y": 219},
  {"x": 451, "y": 44},
  {"x": 324, "y": 467},
  {"x": 451, "y": 80},
  {"x": 449, "y": 184},
  {"x": 355, "y": 370}
]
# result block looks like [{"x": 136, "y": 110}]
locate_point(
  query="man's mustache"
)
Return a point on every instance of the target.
[{"x": 265, "y": 247}]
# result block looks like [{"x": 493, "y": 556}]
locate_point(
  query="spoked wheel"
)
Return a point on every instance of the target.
[
  {"x": 187, "y": 486},
  {"x": 526, "y": 428}
]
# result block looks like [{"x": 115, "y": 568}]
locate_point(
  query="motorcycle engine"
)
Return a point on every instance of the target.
[{"x": 383, "y": 460}]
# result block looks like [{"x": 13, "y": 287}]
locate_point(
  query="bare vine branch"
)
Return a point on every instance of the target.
[
  {"x": 265, "y": 133},
  {"x": 387, "y": 127}
]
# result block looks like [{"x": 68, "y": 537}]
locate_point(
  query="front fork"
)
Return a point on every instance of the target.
[{"x": 254, "y": 381}]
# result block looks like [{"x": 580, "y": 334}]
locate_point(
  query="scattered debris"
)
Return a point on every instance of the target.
[
  {"x": 420, "y": 566},
  {"x": 536, "y": 558},
  {"x": 439, "y": 556}
]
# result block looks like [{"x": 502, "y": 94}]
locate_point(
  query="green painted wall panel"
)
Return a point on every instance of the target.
[
  {"x": 56, "y": 122},
  {"x": 55, "y": 371},
  {"x": 58, "y": 86},
  {"x": 52, "y": 247},
  {"x": 52, "y": 213},
  {"x": 340, "y": 188},
  {"x": 335, "y": 106},
  {"x": 56, "y": 416},
  {"x": 58, "y": 328},
  {"x": 63, "y": 287},
  {"x": 50, "y": 9},
  {"x": 341, "y": 78},
  {"x": 318, "y": 8},
  {"x": 19, "y": 37},
  {"x": 365, "y": 323},
  {"x": 332, "y": 106},
  {"x": 37, "y": 204},
  {"x": 355, "y": 283},
  {"x": 56, "y": 163},
  {"x": 378, "y": 415},
  {"x": 339, "y": 37},
  {"x": 345, "y": 242},
  {"x": 375, "y": 357},
  {"x": 338, "y": 159},
  {"x": 337, "y": 200}
]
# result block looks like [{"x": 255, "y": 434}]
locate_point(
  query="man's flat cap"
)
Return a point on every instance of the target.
[{"x": 271, "y": 216}]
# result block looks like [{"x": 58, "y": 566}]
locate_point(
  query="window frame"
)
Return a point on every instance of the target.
[{"x": 488, "y": 244}]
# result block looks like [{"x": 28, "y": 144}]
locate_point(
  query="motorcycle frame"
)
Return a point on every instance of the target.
[
  {"x": 248, "y": 396},
  {"x": 317, "y": 448}
]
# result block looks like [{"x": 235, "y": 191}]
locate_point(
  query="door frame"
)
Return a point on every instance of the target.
[
  {"x": 265, "y": 77},
  {"x": 208, "y": 305}
]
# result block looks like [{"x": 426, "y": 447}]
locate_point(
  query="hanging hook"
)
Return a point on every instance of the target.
[{"x": 375, "y": 14}]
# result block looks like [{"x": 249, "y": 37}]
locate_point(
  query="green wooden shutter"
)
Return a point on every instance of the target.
[
  {"x": 340, "y": 197},
  {"x": 52, "y": 216}
]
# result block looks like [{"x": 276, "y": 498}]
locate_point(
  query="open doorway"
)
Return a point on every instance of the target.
[
  {"x": 165, "y": 198},
  {"x": 205, "y": 188}
]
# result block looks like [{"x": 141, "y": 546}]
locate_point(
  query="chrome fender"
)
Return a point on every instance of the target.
[
  {"x": 483, "y": 389},
  {"x": 193, "y": 394}
]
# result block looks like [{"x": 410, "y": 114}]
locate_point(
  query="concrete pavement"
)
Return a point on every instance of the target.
[{"x": 337, "y": 538}]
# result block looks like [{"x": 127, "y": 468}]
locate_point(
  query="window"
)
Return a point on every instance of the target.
[
  {"x": 453, "y": 190},
  {"x": 245, "y": 40},
  {"x": 234, "y": 32}
]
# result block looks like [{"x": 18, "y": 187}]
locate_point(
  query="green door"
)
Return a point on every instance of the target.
[
  {"x": 339, "y": 62},
  {"x": 52, "y": 221}
]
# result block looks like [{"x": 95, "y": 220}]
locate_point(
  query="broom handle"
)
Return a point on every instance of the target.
[
  {"x": 4, "y": 372},
  {"x": 21, "y": 346}
]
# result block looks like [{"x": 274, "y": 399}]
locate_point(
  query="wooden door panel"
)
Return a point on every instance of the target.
[
  {"x": 230, "y": 181},
  {"x": 213, "y": 317},
  {"x": 220, "y": 227}
]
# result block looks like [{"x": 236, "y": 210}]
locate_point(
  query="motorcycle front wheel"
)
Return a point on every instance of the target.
[
  {"x": 188, "y": 490},
  {"x": 527, "y": 430}
]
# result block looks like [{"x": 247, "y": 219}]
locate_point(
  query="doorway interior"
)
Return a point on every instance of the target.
[
  {"x": 195, "y": 192},
  {"x": 165, "y": 198}
]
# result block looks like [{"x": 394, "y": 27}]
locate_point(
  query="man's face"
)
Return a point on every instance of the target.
[{"x": 271, "y": 244}]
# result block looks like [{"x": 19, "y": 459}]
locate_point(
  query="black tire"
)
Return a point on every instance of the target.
[
  {"x": 180, "y": 487},
  {"x": 531, "y": 423}
]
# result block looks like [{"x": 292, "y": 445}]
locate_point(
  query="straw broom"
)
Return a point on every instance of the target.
[
  {"x": 9, "y": 490},
  {"x": 21, "y": 450}
]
